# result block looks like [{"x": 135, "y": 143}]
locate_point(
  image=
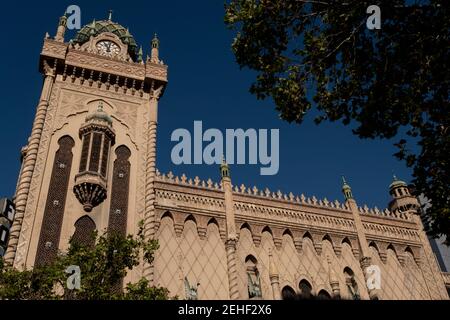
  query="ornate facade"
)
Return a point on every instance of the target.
[{"x": 90, "y": 164}]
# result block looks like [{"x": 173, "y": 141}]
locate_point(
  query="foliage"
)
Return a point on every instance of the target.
[
  {"x": 392, "y": 82},
  {"x": 103, "y": 267}
]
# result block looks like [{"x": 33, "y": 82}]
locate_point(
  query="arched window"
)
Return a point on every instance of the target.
[
  {"x": 254, "y": 281},
  {"x": 351, "y": 284},
  {"x": 288, "y": 293},
  {"x": 305, "y": 289},
  {"x": 84, "y": 232},
  {"x": 323, "y": 295}
]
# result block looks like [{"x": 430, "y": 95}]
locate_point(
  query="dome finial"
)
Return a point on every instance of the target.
[{"x": 110, "y": 15}]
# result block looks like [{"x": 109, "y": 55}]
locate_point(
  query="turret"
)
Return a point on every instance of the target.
[{"x": 402, "y": 199}]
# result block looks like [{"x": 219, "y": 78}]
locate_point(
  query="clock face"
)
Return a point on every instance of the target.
[{"x": 108, "y": 48}]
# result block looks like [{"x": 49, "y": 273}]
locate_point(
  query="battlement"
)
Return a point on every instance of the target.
[{"x": 278, "y": 196}]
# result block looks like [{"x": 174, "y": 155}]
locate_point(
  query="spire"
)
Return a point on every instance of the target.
[
  {"x": 346, "y": 189},
  {"x": 154, "y": 57},
  {"x": 110, "y": 15},
  {"x": 224, "y": 169},
  {"x": 140, "y": 53}
]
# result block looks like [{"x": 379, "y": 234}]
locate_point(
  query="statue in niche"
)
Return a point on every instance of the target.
[
  {"x": 351, "y": 283},
  {"x": 254, "y": 283},
  {"x": 191, "y": 291},
  {"x": 353, "y": 288}
]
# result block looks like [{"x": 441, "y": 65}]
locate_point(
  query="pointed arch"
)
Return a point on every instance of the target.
[
  {"x": 347, "y": 241},
  {"x": 251, "y": 259},
  {"x": 328, "y": 238},
  {"x": 410, "y": 251},
  {"x": 391, "y": 247},
  {"x": 307, "y": 235},
  {"x": 307, "y": 238},
  {"x": 167, "y": 214},
  {"x": 213, "y": 221},
  {"x": 190, "y": 218},
  {"x": 267, "y": 229},
  {"x": 372, "y": 244},
  {"x": 288, "y": 232},
  {"x": 245, "y": 225}
]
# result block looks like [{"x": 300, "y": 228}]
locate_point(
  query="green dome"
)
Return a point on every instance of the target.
[
  {"x": 97, "y": 27},
  {"x": 397, "y": 183}
]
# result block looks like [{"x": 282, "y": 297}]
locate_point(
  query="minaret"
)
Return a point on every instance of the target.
[
  {"x": 274, "y": 277},
  {"x": 365, "y": 259},
  {"x": 231, "y": 235},
  {"x": 61, "y": 31}
]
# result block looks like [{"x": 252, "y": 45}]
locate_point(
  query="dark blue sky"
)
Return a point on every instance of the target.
[{"x": 205, "y": 84}]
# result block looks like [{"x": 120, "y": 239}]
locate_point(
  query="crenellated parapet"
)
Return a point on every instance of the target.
[{"x": 300, "y": 217}]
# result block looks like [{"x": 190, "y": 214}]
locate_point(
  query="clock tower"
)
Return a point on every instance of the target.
[{"x": 89, "y": 163}]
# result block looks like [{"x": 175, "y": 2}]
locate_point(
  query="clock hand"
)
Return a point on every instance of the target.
[{"x": 108, "y": 46}]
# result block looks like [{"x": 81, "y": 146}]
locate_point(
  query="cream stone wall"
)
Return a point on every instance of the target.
[
  {"x": 309, "y": 239},
  {"x": 202, "y": 261}
]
